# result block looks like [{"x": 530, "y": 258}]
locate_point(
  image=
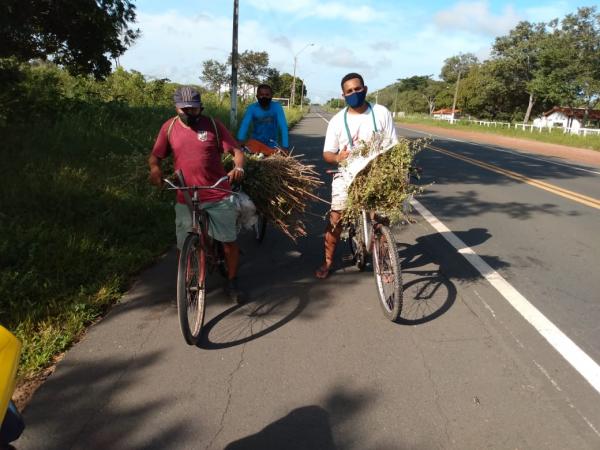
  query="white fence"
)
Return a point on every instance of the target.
[
  {"x": 525, "y": 127},
  {"x": 582, "y": 131}
]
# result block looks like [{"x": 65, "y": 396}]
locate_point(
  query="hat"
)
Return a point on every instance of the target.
[{"x": 187, "y": 97}]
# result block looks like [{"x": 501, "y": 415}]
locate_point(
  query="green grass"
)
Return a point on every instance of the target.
[
  {"x": 78, "y": 220},
  {"x": 555, "y": 136},
  {"x": 293, "y": 115}
]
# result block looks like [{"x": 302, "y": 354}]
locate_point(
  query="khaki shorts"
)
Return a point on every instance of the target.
[
  {"x": 222, "y": 217},
  {"x": 339, "y": 191}
]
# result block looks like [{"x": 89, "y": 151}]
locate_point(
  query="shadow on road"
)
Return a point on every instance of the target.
[
  {"x": 429, "y": 293},
  {"x": 244, "y": 323},
  {"x": 468, "y": 204},
  {"x": 310, "y": 427},
  {"x": 87, "y": 394}
]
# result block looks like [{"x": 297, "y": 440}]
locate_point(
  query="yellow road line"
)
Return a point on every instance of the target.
[{"x": 571, "y": 195}]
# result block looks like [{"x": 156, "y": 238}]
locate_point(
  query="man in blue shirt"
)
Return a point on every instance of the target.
[{"x": 267, "y": 120}]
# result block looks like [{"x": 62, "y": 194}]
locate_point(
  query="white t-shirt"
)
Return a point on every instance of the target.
[{"x": 360, "y": 127}]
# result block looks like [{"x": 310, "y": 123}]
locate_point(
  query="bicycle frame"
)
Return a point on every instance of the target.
[
  {"x": 368, "y": 228},
  {"x": 199, "y": 216}
]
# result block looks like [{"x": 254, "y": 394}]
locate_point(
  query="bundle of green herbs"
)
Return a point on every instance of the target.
[
  {"x": 384, "y": 185},
  {"x": 281, "y": 187}
]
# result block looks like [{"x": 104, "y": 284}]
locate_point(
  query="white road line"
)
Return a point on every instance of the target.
[
  {"x": 580, "y": 361},
  {"x": 319, "y": 114},
  {"x": 537, "y": 158}
]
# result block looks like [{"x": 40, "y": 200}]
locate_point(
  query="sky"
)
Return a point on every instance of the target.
[{"x": 382, "y": 39}]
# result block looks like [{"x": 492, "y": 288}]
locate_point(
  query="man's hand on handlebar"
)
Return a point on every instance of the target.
[{"x": 236, "y": 175}]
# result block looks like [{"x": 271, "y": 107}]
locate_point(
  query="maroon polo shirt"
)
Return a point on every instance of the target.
[{"x": 197, "y": 154}]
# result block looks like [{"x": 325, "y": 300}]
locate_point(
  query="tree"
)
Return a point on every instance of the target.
[
  {"x": 273, "y": 79},
  {"x": 287, "y": 81},
  {"x": 336, "y": 103},
  {"x": 455, "y": 67},
  {"x": 252, "y": 69},
  {"x": 79, "y": 35},
  {"x": 411, "y": 102},
  {"x": 215, "y": 75},
  {"x": 581, "y": 34},
  {"x": 518, "y": 54},
  {"x": 414, "y": 83},
  {"x": 431, "y": 91},
  {"x": 424, "y": 85}
]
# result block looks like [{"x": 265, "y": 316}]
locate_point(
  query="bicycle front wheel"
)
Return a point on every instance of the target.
[
  {"x": 388, "y": 276},
  {"x": 191, "y": 288},
  {"x": 357, "y": 245}
]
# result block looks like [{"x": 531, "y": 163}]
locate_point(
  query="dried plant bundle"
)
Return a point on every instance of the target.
[
  {"x": 281, "y": 188},
  {"x": 384, "y": 185}
]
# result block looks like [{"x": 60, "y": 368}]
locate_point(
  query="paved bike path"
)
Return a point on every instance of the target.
[{"x": 307, "y": 364}]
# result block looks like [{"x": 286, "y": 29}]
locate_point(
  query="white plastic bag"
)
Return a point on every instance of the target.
[{"x": 247, "y": 216}]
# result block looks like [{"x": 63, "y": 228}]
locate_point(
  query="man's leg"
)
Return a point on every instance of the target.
[
  {"x": 232, "y": 258},
  {"x": 332, "y": 236},
  {"x": 222, "y": 227},
  {"x": 339, "y": 194},
  {"x": 183, "y": 225}
]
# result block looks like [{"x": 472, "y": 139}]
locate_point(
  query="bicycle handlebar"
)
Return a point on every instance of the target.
[{"x": 188, "y": 188}]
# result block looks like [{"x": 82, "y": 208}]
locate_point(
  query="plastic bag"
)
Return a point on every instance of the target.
[{"x": 247, "y": 216}]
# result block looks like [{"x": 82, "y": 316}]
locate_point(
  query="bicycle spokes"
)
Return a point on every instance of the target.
[
  {"x": 195, "y": 289},
  {"x": 387, "y": 273}
]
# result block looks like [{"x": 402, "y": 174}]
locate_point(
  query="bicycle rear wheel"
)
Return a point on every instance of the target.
[
  {"x": 388, "y": 276},
  {"x": 191, "y": 288}
]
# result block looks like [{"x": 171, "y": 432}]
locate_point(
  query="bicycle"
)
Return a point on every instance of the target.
[
  {"x": 199, "y": 255},
  {"x": 370, "y": 235}
]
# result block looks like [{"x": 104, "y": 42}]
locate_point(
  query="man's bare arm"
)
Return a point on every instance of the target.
[
  {"x": 155, "y": 170},
  {"x": 336, "y": 158},
  {"x": 237, "y": 173}
]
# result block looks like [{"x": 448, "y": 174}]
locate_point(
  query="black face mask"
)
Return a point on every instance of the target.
[
  {"x": 264, "y": 101},
  {"x": 189, "y": 120}
]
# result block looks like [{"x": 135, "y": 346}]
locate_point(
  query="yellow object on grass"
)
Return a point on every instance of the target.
[{"x": 10, "y": 349}]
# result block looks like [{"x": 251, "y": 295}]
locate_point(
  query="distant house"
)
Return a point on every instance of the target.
[
  {"x": 445, "y": 114},
  {"x": 571, "y": 118}
]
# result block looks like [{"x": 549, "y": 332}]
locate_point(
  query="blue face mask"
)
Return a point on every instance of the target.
[{"x": 355, "y": 99}]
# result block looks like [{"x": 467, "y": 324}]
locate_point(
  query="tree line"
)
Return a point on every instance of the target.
[
  {"x": 253, "y": 69},
  {"x": 531, "y": 69}
]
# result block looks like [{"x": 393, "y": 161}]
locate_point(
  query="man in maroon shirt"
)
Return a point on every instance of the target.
[{"x": 196, "y": 143}]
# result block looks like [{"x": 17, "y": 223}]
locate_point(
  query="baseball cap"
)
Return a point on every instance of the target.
[{"x": 187, "y": 97}]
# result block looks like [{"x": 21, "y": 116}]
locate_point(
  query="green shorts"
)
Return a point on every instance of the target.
[{"x": 222, "y": 217}]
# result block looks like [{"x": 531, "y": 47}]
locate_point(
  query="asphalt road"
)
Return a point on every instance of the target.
[{"x": 310, "y": 364}]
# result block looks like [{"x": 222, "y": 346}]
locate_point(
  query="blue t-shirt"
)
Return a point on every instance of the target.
[{"x": 266, "y": 124}]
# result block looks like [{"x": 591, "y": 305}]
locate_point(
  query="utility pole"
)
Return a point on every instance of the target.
[
  {"x": 293, "y": 93},
  {"x": 301, "y": 93},
  {"x": 234, "y": 67}
]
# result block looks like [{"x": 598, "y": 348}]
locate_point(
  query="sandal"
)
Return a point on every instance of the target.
[{"x": 323, "y": 271}]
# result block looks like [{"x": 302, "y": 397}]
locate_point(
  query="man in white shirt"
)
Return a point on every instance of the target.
[{"x": 356, "y": 123}]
